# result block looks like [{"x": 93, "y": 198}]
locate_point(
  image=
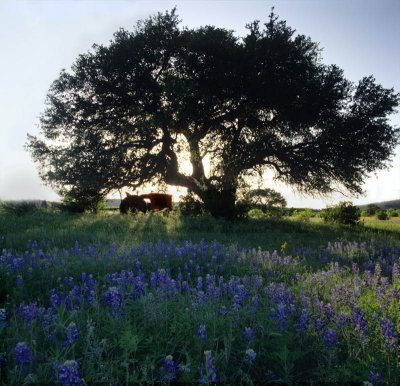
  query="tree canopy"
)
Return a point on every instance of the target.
[{"x": 127, "y": 111}]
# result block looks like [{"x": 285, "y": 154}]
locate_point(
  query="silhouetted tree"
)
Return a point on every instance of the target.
[{"x": 126, "y": 112}]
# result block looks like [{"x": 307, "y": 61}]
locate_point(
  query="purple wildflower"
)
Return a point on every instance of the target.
[
  {"x": 3, "y": 359},
  {"x": 71, "y": 335},
  {"x": 279, "y": 314},
  {"x": 3, "y": 319},
  {"x": 210, "y": 374},
  {"x": 68, "y": 373},
  {"x": 201, "y": 333},
  {"x": 168, "y": 370},
  {"x": 20, "y": 281},
  {"x": 22, "y": 355},
  {"x": 330, "y": 339},
  {"x": 250, "y": 356},
  {"x": 390, "y": 338},
  {"x": 360, "y": 323},
  {"x": 248, "y": 335},
  {"x": 303, "y": 323},
  {"x": 28, "y": 313},
  {"x": 223, "y": 311},
  {"x": 113, "y": 298},
  {"x": 375, "y": 379}
]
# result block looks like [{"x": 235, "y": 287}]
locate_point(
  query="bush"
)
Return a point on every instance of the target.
[
  {"x": 393, "y": 212},
  {"x": 371, "y": 209},
  {"x": 382, "y": 215},
  {"x": 268, "y": 201},
  {"x": 256, "y": 213},
  {"x": 343, "y": 213},
  {"x": 22, "y": 207},
  {"x": 303, "y": 215},
  {"x": 190, "y": 206},
  {"x": 79, "y": 201}
]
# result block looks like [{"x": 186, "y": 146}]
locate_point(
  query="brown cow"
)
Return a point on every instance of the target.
[{"x": 159, "y": 201}]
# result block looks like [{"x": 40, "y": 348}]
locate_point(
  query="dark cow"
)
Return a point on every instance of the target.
[
  {"x": 158, "y": 201},
  {"x": 133, "y": 203}
]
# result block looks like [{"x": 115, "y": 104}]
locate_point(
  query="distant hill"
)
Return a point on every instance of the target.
[{"x": 393, "y": 204}]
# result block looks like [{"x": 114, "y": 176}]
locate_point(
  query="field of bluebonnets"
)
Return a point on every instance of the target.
[{"x": 106, "y": 299}]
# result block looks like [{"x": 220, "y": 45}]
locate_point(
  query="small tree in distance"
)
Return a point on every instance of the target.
[
  {"x": 126, "y": 113},
  {"x": 343, "y": 213}
]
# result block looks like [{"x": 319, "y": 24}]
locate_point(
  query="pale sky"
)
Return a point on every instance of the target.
[{"x": 39, "y": 38}]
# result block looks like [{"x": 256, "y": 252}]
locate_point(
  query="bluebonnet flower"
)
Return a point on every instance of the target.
[
  {"x": 223, "y": 311},
  {"x": 360, "y": 323},
  {"x": 68, "y": 373},
  {"x": 342, "y": 320},
  {"x": 28, "y": 313},
  {"x": 375, "y": 379},
  {"x": 319, "y": 325},
  {"x": 92, "y": 299},
  {"x": 250, "y": 356},
  {"x": 390, "y": 339},
  {"x": 113, "y": 298},
  {"x": 280, "y": 315},
  {"x": 253, "y": 305},
  {"x": 330, "y": 339},
  {"x": 3, "y": 359},
  {"x": 22, "y": 354},
  {"x": 185, "y": 369},
  {"x": 168, "y": 370},
  {"x": 20, "y": 281},
  {"x": 200, "y": 299},
  {"x": 210, "y": 374},
  {"x": 55, "y": 299},
  {"x": 248, "y": 335},
  {"x": 3, "y": 319},
  {"x": 304, "y": 321},
  {"x": 201, "y": 333},
  {"x": 199, "y": 285},
  {"x": 71, "y": 335}
]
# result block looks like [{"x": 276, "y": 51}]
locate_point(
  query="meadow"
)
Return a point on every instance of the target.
[{"x": 152, "y": 299}]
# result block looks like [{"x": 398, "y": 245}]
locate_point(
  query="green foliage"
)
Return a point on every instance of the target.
[
  {"x": 81, "y": 200},
  {"x": 303, "y": 215},
  {"x": 270, "y": 202},
  {"x": 371, "y": 209},
  {"x": 189, "y": 205},
  {"x": 343, "y": 213},
  {"x": 23, "y": 207},
  {"x": 393, "y": 212},
  {"x": 381, "y": 215},
  {"x": 262, "y": 101}
]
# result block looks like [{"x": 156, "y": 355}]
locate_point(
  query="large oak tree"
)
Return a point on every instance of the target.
[{"x": 126, "y": 111}]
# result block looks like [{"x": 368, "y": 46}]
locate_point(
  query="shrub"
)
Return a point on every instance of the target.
[
  {"x": 256, "y": 213},
  {"x": 22, "y": 207},
  {"x": 303, "y": 215},
  {"x": 343, "y": 213},
  {"x": 382, "y": 215},
  {"x": 268, "y": 201},
  {"x": 79, "y": 201},
  {"x": 393, "y": 212},
  {"x": 190, "y": 206},
  {"x": 371, "y": 209}
]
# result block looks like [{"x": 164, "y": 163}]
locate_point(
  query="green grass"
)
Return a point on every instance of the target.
[
  {"x": 129, "y": 342},
  {"x": 63, "y": 229}
]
